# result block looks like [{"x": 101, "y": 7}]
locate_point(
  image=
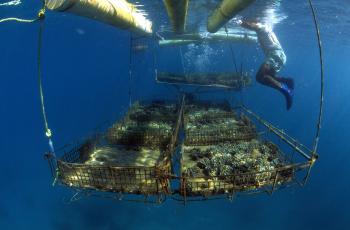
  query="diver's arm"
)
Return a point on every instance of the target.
[
  {"x": 255, "y": 26},
  {"x": 250, "y": 25}
]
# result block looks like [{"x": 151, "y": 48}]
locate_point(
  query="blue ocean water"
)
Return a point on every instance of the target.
[{"x": 86, "y": 83}]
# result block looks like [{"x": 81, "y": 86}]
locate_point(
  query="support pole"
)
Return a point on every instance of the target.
[
  {"x": 320, "y": 49},
  {"x": 118, "y": 13},
  {"x": 177, "y": 12},
  {"x": 225, "y": 12}
]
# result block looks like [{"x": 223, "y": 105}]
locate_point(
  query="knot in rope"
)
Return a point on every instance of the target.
[
  {"x": 48, "y": 133},
  {"x": 41, "y": 14}
]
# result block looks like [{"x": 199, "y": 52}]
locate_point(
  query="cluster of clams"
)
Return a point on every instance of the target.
[
  {"x": 147, "y": 125},
  {"x": 227, "y": 159},
  {"x": 157, "y": 110}
]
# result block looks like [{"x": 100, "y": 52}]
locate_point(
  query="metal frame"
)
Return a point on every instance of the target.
[{"x": 241, "y": 81}]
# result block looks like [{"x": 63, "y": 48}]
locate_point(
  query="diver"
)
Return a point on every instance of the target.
[{"x": 275, "y": 60}]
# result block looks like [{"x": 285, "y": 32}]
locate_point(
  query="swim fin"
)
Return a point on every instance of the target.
[
  {"x": 288, "y": 81},
  {"x": 287, "y": 90}
]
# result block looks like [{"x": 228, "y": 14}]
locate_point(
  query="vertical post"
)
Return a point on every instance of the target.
[
  {"x": 184, "y": 190},
  {"x": 182, "y": 62},
  {"x": 312, "y": 161},
  {"x": 155, "y": 64},
  {"x": 320, "y": 115},
  {"x": 292, "y": 155},
  {"x": 274, "y": 183}
]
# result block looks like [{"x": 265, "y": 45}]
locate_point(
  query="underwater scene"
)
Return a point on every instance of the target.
[{"x": 174, "y": 114}]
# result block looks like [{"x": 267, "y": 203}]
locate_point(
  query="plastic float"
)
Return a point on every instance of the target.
[
  {"x": 118, "y": 13},
  {"x": 225, "y": 11},
  {"x": 177, "y": 12}
]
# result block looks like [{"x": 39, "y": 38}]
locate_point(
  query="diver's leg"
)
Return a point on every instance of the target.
[
  {"x": 278, "y": 59},
  {"x": 266, "y": 77}
]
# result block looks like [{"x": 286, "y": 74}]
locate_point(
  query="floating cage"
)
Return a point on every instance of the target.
[
  {"x": 128, "y": 158},
  {"x": 224, "y": 151}
]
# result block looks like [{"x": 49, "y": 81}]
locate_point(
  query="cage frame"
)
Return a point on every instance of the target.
[{"x": 310, "y": 155}]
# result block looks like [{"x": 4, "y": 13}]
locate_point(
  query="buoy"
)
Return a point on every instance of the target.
[
  {"x": 119, "y": 13},
  {"x": 226, "y": 11},
  {"x": 177, "y": 12}
]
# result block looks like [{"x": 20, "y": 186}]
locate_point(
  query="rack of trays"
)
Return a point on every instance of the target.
[
  {"x": 224, "y": 151},
  {"x": 132, "y": 157}
]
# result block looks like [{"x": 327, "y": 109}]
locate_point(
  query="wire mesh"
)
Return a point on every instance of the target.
[
  {"x": 210, "y": 123},
  {"x": 216, "y": 136},
  {"x": 135, "y": 180}
]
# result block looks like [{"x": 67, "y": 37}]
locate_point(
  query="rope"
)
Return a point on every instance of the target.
[
  {"x": 40, "y": 15},
  {"x": 232, "y": 52},
  {"x": 182, "y": 61},
  {"x": 18, "y": 20},
  {"x": 241, "y": 72},
  {"x": 130, "y": 69},
  {"x": 47, "y": 130},
  {"x": 320, "y": 115},
  {"x": 40, "y": 18},
  {"x": 155, "y": 64},
  {"x": 235, "y": 64},
  {"x": 48, "y": 133}
]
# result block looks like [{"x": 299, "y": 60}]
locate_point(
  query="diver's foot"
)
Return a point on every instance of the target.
[
  {"x": 288, "y": 93},
  {"x": 286, "y": 80},
  {"x": 289, "y": 82}
]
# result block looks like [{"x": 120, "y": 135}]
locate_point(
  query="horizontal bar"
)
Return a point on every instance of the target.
[{"x": 281, "y": 135}]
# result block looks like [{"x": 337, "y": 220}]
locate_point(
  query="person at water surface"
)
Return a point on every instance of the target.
[{"x": 275, "y": 60}]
